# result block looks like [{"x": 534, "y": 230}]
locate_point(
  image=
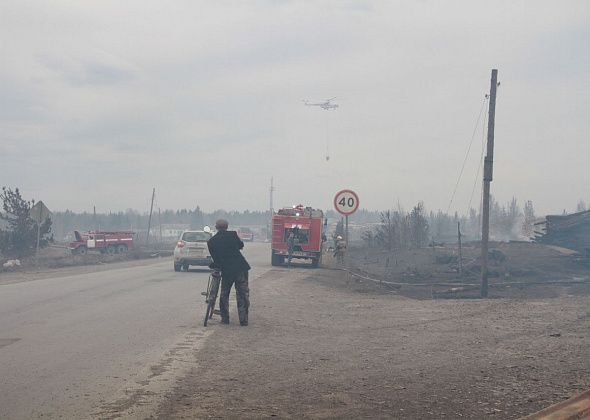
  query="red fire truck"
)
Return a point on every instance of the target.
[
  {"x": 307, "y": 225},
  {"x": 246, "y": 234},
  {"x": 104, "y": 242}
]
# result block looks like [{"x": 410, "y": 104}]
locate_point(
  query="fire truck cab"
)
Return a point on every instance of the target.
[{"x": 307, "y": 225}]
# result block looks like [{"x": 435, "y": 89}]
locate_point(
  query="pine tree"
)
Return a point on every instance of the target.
[{"x": 20, "y": 238}]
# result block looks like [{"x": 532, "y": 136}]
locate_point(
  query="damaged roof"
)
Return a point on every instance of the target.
[{"x": 568, "y": 230}]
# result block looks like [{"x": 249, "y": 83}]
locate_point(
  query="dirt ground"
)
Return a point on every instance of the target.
[{"x": 323, "y": 345}]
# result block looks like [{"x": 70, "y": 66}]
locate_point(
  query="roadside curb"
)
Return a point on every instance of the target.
[{"x": 575, "y": 408}]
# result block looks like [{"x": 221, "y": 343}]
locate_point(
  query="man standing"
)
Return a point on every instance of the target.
[{"x": 224, "y": 248}]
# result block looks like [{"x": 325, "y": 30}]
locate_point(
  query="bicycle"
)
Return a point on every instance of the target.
[{"x": 211, "y": 295}]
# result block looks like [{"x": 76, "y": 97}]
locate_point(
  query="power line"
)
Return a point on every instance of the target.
[
  {"x": 483, "y": 144},
  {"x": 467, "y": 154}
]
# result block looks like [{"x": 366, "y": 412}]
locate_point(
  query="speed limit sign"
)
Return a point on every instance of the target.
[{"x": 346, "y": 202}]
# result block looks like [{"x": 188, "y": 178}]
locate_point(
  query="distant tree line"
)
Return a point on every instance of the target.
[
  {"x": 66, "y": 222},
  {"x": 400, "y": 229},
  {"x": 413, "y": 228},
  {"x": 390, "y": 228}
]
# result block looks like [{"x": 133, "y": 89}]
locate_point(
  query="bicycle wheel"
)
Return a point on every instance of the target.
[
  {"x": 213, "y": 294},
  {"x": 208, "y": 314},
  {"x": 207, "y": 304},
  {"x": 212, "y": 291}
]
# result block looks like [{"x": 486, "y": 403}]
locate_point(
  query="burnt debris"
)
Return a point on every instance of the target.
[{"x": 569, "y": 231}]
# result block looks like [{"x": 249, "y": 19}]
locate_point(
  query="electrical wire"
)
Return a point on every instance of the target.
[
  {"x": 483, "y": 143},
  {"x": 327, "y": 138},
  {"x": 467, "y": 154}
]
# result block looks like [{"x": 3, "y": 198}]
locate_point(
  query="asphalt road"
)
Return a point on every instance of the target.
[{"x": 90, "y": 345}]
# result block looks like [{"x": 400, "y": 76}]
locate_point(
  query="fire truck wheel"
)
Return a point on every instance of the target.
[
  {"x": 82, "y": 250},
  {"x": 121, "y": 249},
  {"x": 315, "y": 262},
  {"x": 111, "y": 250}
]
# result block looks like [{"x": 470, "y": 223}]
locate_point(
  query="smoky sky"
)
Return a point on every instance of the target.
[{"x": 100, "y": 101}]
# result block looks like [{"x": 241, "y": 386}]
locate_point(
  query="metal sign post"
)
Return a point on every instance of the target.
[
  {"x": 346, "y": 231},
  {"x": 346, "y": 202},
  {"x": 39, "y": 212}
]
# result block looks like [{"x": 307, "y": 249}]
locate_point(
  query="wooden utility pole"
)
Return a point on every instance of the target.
[
  {"x": 271, "y": 191},
  {"x": 460, "y": 249},
  {"x": 160, "y": 223},
  {"x": 147, "y": 238},
  {"x": 487, "y": 180}
]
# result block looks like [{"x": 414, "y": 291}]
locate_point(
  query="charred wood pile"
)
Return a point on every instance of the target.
[{"x": 569, "y": 231}]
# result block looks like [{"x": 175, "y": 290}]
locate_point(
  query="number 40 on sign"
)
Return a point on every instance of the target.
[{"x": 346, "y": 202}]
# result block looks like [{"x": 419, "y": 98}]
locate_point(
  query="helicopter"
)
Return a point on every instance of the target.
[{"x": 327, "y": 105}]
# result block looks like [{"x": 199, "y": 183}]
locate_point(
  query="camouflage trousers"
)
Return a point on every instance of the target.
[{"x": 242, "y": 296}]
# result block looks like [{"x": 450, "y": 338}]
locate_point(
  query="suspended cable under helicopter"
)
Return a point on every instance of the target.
[{"x": 328, "y": 106}]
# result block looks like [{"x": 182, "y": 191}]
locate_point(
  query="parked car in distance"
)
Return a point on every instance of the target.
[
  {"x": 246, "y": 234},
  {"x": 191, "y": 249}
]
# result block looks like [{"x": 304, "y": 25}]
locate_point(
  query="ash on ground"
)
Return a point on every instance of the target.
[{"x": 522, "y": 270}]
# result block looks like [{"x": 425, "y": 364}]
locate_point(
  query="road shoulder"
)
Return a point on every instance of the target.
[
  {"x": 314, "y": 350},
  {"x": 49, "y": 273}
]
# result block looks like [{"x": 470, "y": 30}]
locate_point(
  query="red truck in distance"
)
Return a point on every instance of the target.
[
  {"x": 246, "y": 234},
  {"x": 103, "y": 242},
  {"x": 307, "y": 224}
]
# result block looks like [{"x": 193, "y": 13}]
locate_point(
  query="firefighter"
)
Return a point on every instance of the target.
[
  {"x": 340, "y": 249},
  {"x": 225, "y": 249},
  {"x": 290, "y": 248}
]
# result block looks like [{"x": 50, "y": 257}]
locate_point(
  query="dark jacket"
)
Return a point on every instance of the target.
[{"x": 224, "y": 248}]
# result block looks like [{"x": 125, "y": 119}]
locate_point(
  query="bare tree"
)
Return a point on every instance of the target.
[
  {"x": 418, "y": 226},
  {"x": 369, "y": 237},
  {"x": 387, "y": 231},
  {"x": 528, "y": 225}
]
